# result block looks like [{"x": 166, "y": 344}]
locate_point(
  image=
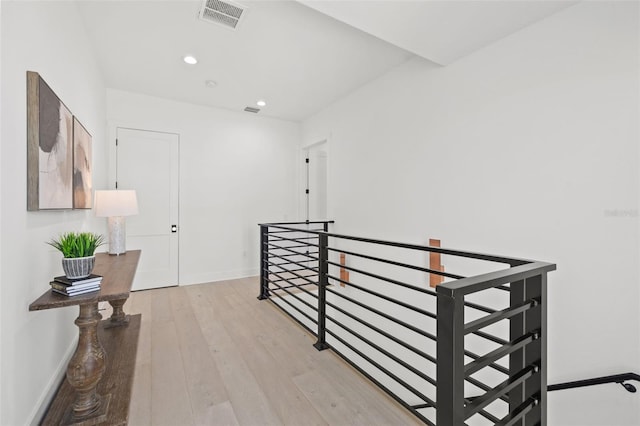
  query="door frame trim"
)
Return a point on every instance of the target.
[{"x": 112, "y": 134}]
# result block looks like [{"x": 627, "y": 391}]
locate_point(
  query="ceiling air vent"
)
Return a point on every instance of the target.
[
  {"x": 252, "y": 109},
  {"x": 225, "y": 13}
]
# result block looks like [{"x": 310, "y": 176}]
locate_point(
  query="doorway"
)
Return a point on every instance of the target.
[
  {"x": 316, "y": 159},
  {"x": 148, "y": 162}
]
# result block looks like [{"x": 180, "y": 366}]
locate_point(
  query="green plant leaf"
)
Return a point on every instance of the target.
[{"x": 77, "y": 244}]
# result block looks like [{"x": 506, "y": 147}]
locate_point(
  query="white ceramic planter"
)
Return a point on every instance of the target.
[{"x": 78, "y": 267}]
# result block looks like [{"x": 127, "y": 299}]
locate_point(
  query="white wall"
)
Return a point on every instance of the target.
[
  {"x": 1, "y": 101},
  {"x": 48, "y": 38},
  {"x": 527, "y": 148},
  {"x": 236, "y": 170}
]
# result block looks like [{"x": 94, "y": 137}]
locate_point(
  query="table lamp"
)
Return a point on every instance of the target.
[{"x": 115, "y": 205}]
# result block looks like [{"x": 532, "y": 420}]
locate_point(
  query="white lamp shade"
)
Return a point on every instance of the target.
[{"x": 116, "y": 203}]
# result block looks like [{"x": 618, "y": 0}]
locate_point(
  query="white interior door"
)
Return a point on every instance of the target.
[
  {"x": 148, "y": 162},
  {"x": 317, "y": 182}
]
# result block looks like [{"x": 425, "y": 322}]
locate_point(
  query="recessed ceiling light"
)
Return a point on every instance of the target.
[
  {"x": 261, "y": 103},
  {"x": 210, "y": 84},
  {"x": 191, "y": 60}
]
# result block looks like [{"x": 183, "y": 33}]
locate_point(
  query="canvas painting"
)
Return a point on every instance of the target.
[
  {"x": 49, "y": 149},
  {"x": 81, "y": 166}
]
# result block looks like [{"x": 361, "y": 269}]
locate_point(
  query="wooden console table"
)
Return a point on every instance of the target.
[{"x": 89, "y": 361}]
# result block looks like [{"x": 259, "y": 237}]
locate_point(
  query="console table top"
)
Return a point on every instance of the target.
[{"x": 117, "y": 276}]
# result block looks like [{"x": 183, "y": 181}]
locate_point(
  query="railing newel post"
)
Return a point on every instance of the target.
[
  {"x": 516, "y": 359},
  {"x": 450, "y": 357},
  {"x": 533, "y": 355},
  {"x": 323, "y": 269}
]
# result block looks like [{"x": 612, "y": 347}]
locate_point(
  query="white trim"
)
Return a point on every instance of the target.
[
  {"x": 52, "y": 386},
  {"x": 220, "y": 276},
  {"x": 320, "y": 142}
]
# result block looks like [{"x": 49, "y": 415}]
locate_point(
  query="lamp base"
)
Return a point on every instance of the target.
[{"x": 117, "y": 235}]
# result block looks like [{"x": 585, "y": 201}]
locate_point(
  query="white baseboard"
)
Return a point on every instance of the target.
[
  {"x": 218, "y": 276},
  {"x": 52, "y": 386}
]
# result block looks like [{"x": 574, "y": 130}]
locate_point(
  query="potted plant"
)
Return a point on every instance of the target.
[{"x": 78, "y": 251}]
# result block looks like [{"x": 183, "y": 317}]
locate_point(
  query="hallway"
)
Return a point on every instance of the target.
[{"x": 212, "y": 354}]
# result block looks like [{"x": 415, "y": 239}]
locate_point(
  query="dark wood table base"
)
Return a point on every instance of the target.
[
  {"x": 118, "y": 317},
  {"x": 120, "y": 343},
  {"x": 87, "y": 364},
  {"x": 85, "y": 401}
]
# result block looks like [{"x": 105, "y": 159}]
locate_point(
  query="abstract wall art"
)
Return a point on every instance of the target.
[
  {"x": 81, "y": 166},
  {"x": 58, "y": 152}
]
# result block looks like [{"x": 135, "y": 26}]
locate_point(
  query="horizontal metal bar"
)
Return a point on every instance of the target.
[
  {"x": 382, "y": 386},
  {"x": 467, "y": 254},
  {"x": 305, "y": 222},
  {"x": 384, "y": 352},
  {"x": 516, "y": 415},
  {"x": 297, "y": 286},
  {"x": 313, "y": 332},
  {"x": 493, "y": 365},
  {"x": 315, "y": 271},
  {"x": 384, "y": 333},
  {"x": 422, "y": 406},
  {"x": 292, "y": 247},
  {"x": 488, "y": 416},
  {"x": 293, "y": 252},
  {"x": 385, "y": 297},
  {"x": 491, "y": 337},
  {"x": 306, "y": 254},
  {"x": 485, "y": 414},
  {"x": 382, "y": 369},
  {"x": 302, "y": 239},
  {"x": 274, "y": 247},
  {"x": 292, "y": 283},
  {"x": 502, "y": 389},
  {"x": 315, "y": 321},
  {"x": 292, "y": 271},
  {"x": 280, "y": 265},
  {"x": 288, "y": 231},
  {"x": 290, "y": 286},
  {"x": 307, "y": 259},
  {"x": 477, "y": 383},
  {"x": 479, "y": 307},
  {"x": 296, "y": 276},
  {"x": 293, "y": 263},
  {"x": 380, "y": 277},
  {"x": 481, "y": 282},
  {"x": 297, "y": 240},
  {"x": 385, "y": 315},
  {"x": 493, "y": 318},
  {"x": 292, "y": 230},
  {"x": 409, "y": 286},
  {"x": 502, "y": 351},
  {"x": 391, "y": 262},
  {"x": 279, "y": 287},
  {"x": 286, "y": 280}
]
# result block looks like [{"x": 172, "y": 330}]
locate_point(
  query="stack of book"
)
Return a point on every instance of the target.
[{"x": 71, "y": 287}]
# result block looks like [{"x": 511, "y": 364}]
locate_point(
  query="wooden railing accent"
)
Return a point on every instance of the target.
[{"x": 435, "y": 263}]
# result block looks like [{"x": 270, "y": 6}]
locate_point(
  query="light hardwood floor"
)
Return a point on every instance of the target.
[{"x": 212, "y": 354}]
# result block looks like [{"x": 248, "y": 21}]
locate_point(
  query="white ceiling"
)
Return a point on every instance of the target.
[
  {"x": 441, "y": 31},
  {"x": 295, "y": 57}
]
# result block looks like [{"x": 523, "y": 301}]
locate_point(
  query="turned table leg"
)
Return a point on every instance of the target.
[
  {"x": 87, "y": 365},
  {"x": 118, "y": 317}
]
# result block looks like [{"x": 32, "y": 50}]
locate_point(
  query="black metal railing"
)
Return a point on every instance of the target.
[
  {"x": 620, "y": 379},
  {"x": 473, "y": 346}
]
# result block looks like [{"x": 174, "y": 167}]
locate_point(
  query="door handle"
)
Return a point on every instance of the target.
[{"x": 174, "y": 228}]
